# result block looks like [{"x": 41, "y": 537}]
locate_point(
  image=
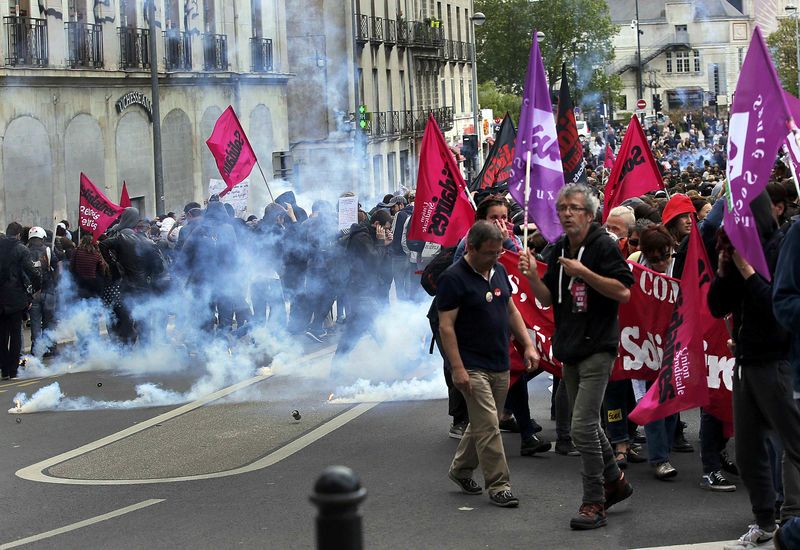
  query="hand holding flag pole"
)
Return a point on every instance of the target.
[{"x": 527, "y": 198}]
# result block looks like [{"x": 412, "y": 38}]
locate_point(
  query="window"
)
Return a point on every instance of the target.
[
  {"x": 405, "y": 170},
  {"x": 391, "y": 161},
  {"x": 741, "y": 57},
  {"x": 403, "y": 90},
  {"x": 682, "y": 62},
  {"x": 458, "y": 23},
  {"x": 452, "y": 92},
  {"x": 462, "y": 96},
  {"x": 681, "y": 28},
  {"x": 389, "y": 86},
  {"x": 376, "y": 105},
  {"x": 669, "y": 62},
  {"x": 697, "y": 61},
  {"x": 361, "y": 97},
  {"x": 623, "y": 102},
  {"x": 255, "y": 14}
]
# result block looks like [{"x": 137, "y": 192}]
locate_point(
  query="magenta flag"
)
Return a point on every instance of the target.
[
  {"x": 759, "y": 122},
  {"x": 231, "y": 149},
  {"x": 96, "y": 211},
  {"x": 537, "y": 134}
]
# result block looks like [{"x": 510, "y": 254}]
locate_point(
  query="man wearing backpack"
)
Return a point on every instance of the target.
[{"x": 44, "y": 301}]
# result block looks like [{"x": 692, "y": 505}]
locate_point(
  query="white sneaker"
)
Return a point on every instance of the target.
[{"x": 755, "y": 537}]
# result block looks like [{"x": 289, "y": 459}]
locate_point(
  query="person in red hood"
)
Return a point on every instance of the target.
[{"x": 677, "y": 217}]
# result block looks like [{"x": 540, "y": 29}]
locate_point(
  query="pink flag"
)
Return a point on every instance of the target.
[
  {"x": 96, "y": 211},
  {"x": 682, "y": 382},
  {"x": 635, "y": 171},
  {"x": 759, "y": 122},
  {"x": 124, "y": 199},
  {"x": 231, "y": 149},
  {"x": 442, "y": 211},
  {"x": 608, "y": 162}
]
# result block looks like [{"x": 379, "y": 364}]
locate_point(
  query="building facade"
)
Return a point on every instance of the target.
[
  {"x": 397, "y": 61},
  {"x": 691, "y": 50},
  {"x": 75, "y": 96}
]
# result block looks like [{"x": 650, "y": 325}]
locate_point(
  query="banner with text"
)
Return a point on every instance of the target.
[{"x": 96, "y": 211}]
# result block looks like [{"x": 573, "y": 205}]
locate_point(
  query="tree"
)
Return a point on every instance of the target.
[
  {"x": 783, "y": 46},
  {"x": 499, "y": 102},
  {"x": 577, "y": 32}
]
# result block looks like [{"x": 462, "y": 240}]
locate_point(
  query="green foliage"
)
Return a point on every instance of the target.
[
  {"x": 490, "y": 97},
  {"x": 783, "y": 46},
  {"x": 577, "y": 32}
]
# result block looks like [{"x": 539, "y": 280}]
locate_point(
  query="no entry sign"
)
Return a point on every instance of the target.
[{"x": 641, "y": 104}]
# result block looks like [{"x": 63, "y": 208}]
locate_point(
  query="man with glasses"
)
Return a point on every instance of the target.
[
  {"x": 586, "y": 280},
  {"x": 476, "y": 320}
]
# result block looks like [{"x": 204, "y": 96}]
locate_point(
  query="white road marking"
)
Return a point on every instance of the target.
[
  {"x": 81, "y": 524},
  {"x": 698, "y": 546},
  {"x": 36, "y": 471}
]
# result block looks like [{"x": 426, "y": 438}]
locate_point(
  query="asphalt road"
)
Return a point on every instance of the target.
[{"x": 237, "y": 472}]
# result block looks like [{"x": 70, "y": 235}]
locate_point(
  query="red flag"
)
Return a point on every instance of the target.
[
  {"x": 497, "y": 165},
  {"x": 608, "y": 162},
  {"x": 442, "y": 211},
  {"x": 124, "y": 199},
  {"x": 635, "y": 171},
  {"x": 231, "y": 149},
  {"x": 96, "y": 211},
  {"x": 682, "y": 382},
  {"x": 569, "y": 144}
]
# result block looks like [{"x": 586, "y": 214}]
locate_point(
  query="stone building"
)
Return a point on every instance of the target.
[
  {"x": 397, "y": 60},
  {"x": 75, "y": 97},
  {"x": 691, "y": 50}
]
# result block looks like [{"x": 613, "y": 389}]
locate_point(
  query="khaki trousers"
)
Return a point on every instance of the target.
[{"x": 482, "y": 444}]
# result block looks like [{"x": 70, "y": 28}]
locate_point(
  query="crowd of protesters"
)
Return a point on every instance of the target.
[{"x": 299, "y": 272}]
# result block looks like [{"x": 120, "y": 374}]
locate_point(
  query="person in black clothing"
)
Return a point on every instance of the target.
[
  {"x": 265, "y": 289},
  {"x": 18, "y": 281},
  {"x": 320, "y": 232},
  {"x": 762, "y": 389}
]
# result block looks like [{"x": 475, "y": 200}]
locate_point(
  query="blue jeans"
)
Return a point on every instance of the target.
[
  {"x": 616, "y": 402},
  {"x": 789, "y": 534},
  {"x": 660, "y": 435}
]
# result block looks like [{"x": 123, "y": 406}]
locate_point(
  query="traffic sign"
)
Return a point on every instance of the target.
[{"x": 641, "y": 104}]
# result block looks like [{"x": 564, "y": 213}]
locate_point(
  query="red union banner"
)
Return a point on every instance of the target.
[
  {"x": 231, "y": 149},
  {"x": 96, "y": 211}
]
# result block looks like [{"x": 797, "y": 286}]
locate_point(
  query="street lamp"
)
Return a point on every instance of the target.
[
  {"x": 792, "y": 10},
  {"x": 477, "y": 20}
]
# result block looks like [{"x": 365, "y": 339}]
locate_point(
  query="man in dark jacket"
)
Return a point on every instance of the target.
[
  {"x": 18, "y": 281},
  {"x": 44, "y": 302},
  {"x": 586, "y": 280},
  {"x": 401, "y": 267},
  {"x": 762, "y": 389}
]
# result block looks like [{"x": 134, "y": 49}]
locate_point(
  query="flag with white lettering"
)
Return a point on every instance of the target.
[
  {"x": 536, "y": 136},
  {"x": 682, "y": 381},
  {"x": 759, "y": 122},
  {"x": 96, "y": 211},
  {"x": 635, "y": 171},
  {"x": 569, "y": 144},
  {"x": 442, "y": 211},
  {"x": 497, "y": 167},
  {"x": 231, "y": 149}
]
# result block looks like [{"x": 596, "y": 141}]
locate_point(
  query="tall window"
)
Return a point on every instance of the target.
[
  {"x": 449, "y": 23},
  {"x": 462, "y": 96},
  {"x": 669, "y": 62},
  {"x": 258, "y": 29},
  {"x": 77, "y": 10},
  {"x": 209, "y": 16},
  {"x": 697, "y": 61},
  {"x": 172, "y": 13},
  {"x": 389, "y": 97},
  {"x": 458, "y": 23},
  {"x": 403, "y": 90},
  {"x": 375, "y": 91},
  {"x": 127, "y": 12}
]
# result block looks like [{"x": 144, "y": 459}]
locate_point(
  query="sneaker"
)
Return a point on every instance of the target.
[
  {"x": 504, "y": 499},
  {"x": 638, "y": 437},
  {"x": 567, "y": 448},
  {"x": 536, "y": 426},
  {"x": 755, "y": 537},
  {"x": 728, "y": 465},
  {"x": 715, "y": 481},
  {"x": 665, "y": 470},
  {"x": 509, "y": 425},
  {"x": 591, "y": 515},
  {"x": 313, "y": 336},
  {"x": 680, "y": 445},
  {"x": 534, "y": 445},
  {"x": 457, "y": 430},
  {"x": 466, "y": 484},
  {"x": 617, "y": 491}
]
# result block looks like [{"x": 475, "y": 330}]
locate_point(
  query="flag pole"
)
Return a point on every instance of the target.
[
  {"x": 265, "y": 180},
  {"x": 527, "y": 199}
]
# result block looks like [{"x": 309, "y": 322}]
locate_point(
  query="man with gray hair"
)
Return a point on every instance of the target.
[
  {"x": 586, "y": 280},
  {"x": 476, "y": 320},
  {"x": 621, "y": 221}
]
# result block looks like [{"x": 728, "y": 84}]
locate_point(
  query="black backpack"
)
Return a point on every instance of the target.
[{"x": 431, "y": 273}]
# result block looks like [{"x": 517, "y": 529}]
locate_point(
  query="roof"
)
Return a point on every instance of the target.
[{"x": 623, "y": 11}]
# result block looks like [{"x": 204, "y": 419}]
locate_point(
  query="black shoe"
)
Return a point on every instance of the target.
[
  {"x": 536, "y": 427},
  {"x": 567, "y": 448},
  {"x": 680, "y": 445},
  {"x": 466, "y": 484},
  {"x": 534, "y": 445},
  {"x": 639, "y": 437},
  {"x": 715, "y": 481},
  {"x": 509, "y": 425},
  {"x": 457, "y": 430},
  {"x": 504, "y": 499},
  {"x": 617, "y": 491},
  {"x": 728, "y": 465},
  {"x": 635, "y": 456}
]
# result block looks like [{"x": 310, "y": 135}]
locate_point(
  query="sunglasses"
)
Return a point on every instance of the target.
[{"x": 633, "y": 242}]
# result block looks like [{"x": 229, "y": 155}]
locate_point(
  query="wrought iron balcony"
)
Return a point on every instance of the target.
[
  {"x": 178, "y": 50},
  {"x": 261, "y": 50},
  {"x": 389, "y": 32},
  {"x": 379, "y": 125},
  {"x": 134, "y": 52},
  {"x": 376, "y": 30},
  {"x": 427, "y": 36},
  {"x": 447, "y": 50},
  {"x": 393, "y": 126},
  {"x": 27, "y": 42},
  {"x": 215, "y": 52},
  {"x": 84, "y": 45},
  {"x": 362, "y": 28},
  {"x": 404, "y": 32}
]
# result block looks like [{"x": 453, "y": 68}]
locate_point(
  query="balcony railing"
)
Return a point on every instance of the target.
[
  {"x": 403, "y": 32},
  {"x": 426, "y": 36},
  {"x": 362, "y": 28},
  {"x": 215, "y": 52},
  {"x": 376, "y": 30},
  {"x": 27, "y": 42},
  {"x": 390, "y": 32},
  {"x": 396, "y": 123},
  {"x": 134, "y": 52},
  {"x": 84, "y": 45},
  {"x": 261, "y": 50},
  {"x": 393, "y": 119},
  {"x": 178, "y": 50}
]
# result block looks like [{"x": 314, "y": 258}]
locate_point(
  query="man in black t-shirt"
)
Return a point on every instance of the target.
[
  {"x": 476, "y": 320},
  {"x": 586, "y": 280}
]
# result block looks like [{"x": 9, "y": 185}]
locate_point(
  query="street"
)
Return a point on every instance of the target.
[{"x": 235, "y": 470}]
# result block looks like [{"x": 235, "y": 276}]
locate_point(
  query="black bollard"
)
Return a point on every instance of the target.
[{"x": 337, "y": 494}]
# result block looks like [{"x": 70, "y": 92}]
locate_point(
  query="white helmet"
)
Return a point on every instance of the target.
[{"x": 37, "y": 232}]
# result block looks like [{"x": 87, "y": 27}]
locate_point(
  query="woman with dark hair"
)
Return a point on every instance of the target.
[{"x": 89, "y": 269}]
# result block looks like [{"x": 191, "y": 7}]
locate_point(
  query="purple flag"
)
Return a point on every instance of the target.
[
  {"x": 537, "y": 134},
  {"x": 759, "y": 122}
]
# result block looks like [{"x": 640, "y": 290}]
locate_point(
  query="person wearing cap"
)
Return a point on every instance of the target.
[
  {"x": 401, "y": 267},
  {"x": 42, "y": 312}
]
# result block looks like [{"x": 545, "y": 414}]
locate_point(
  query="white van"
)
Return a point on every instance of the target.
[{"x": 583, "y": 129}]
